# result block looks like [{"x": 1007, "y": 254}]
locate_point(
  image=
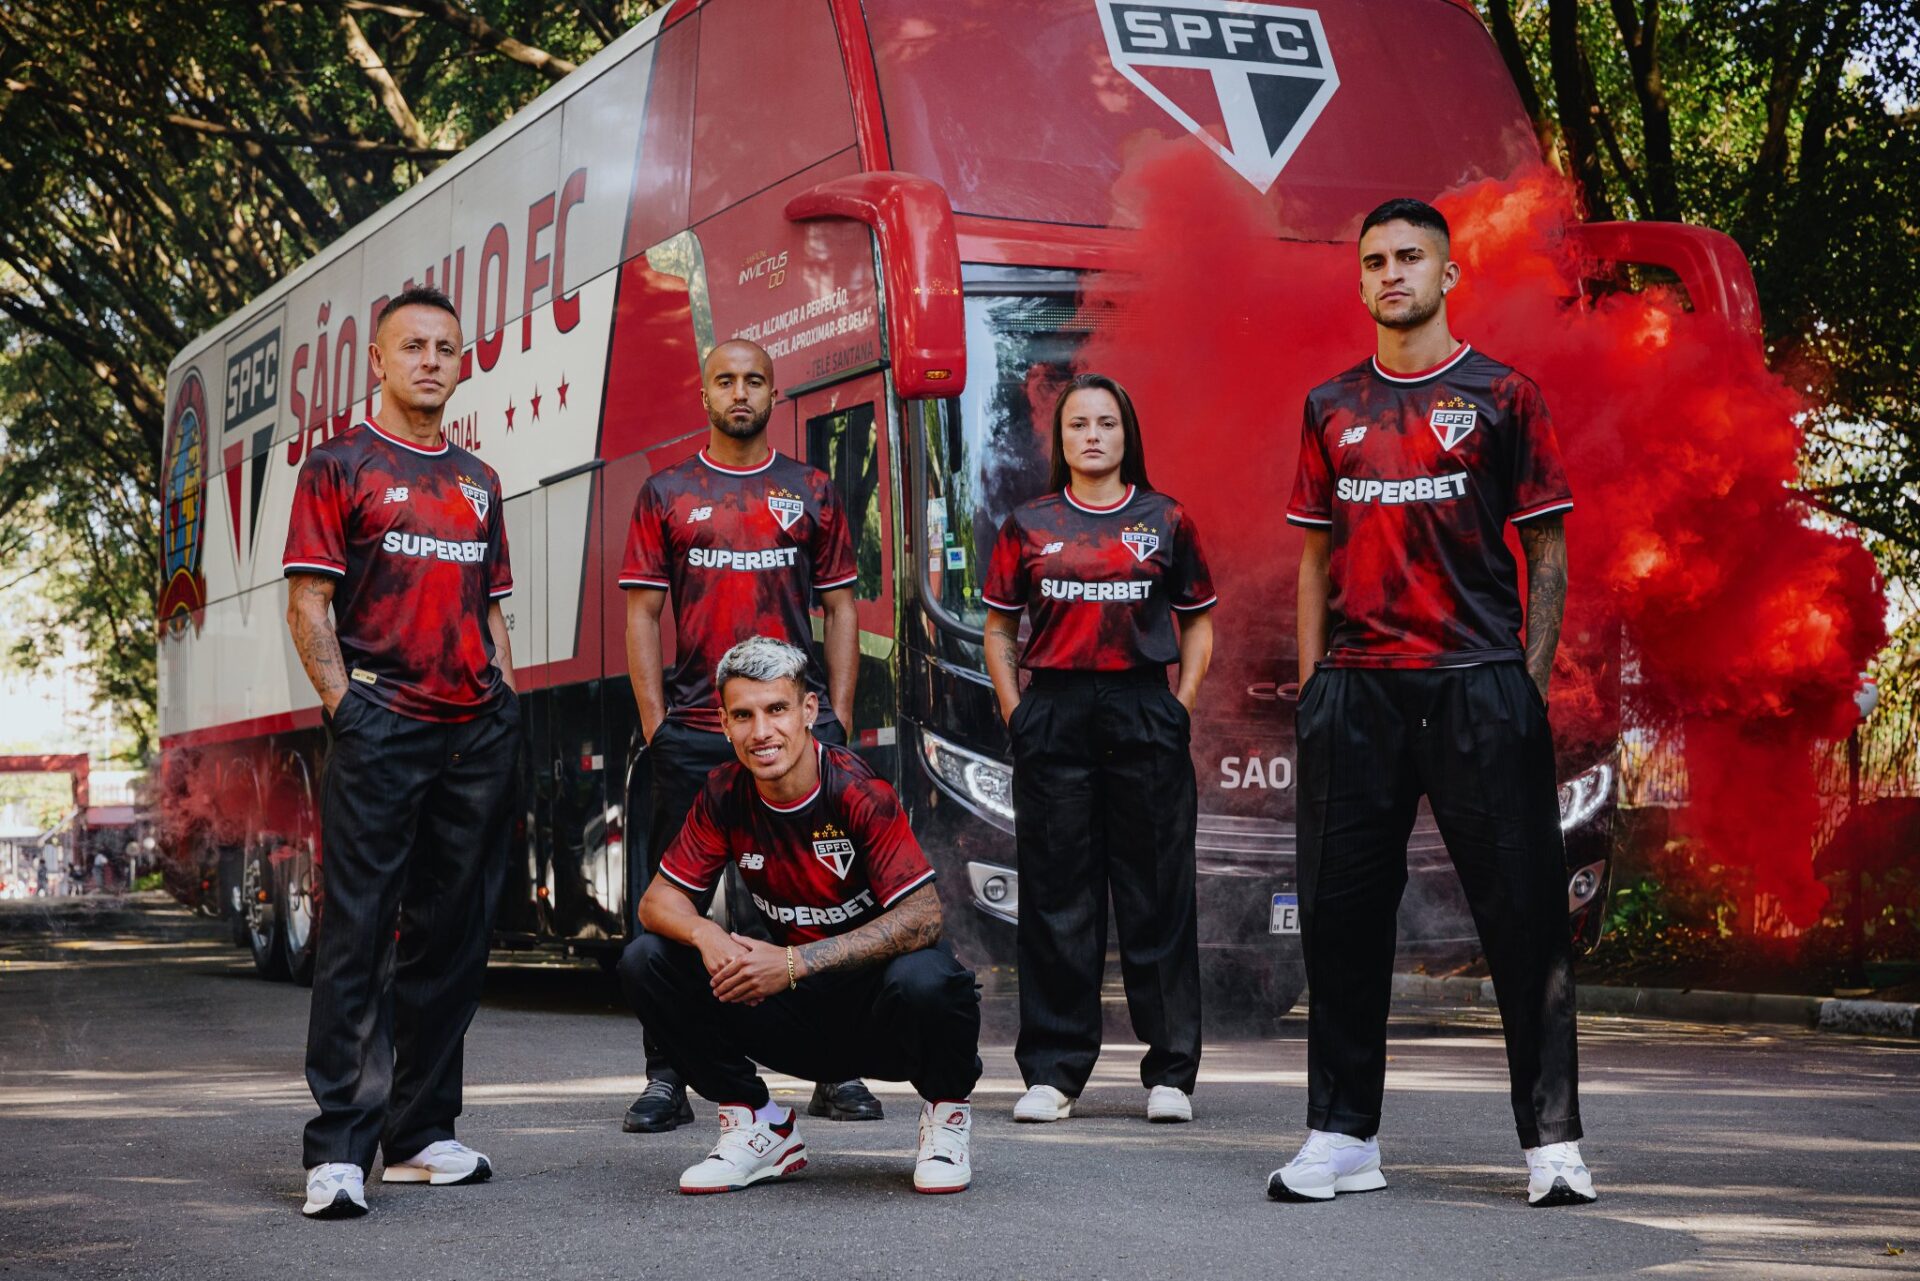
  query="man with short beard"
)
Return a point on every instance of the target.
[
  {"x": 1414, "y": 680},
  {"x": 740, "y": 537}
]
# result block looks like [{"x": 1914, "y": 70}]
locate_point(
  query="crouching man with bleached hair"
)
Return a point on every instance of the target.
[{"x": 856, "y": 983}]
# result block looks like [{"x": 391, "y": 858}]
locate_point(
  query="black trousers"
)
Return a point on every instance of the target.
[
  {"x": 679, "y": 759},
  {"x": 1103, "y": 791},
  {"x": 1475, "y": 741},
  {"x": 916, "y": 1018},
  {"x": 415, "y": 821}
]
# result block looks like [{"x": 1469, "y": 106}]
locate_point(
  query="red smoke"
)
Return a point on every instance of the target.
[{"x": 1750, "y": 627}]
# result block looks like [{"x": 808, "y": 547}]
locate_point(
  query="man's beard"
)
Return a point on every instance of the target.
[
  {"x": 1413, "y": 319},
  {"x": 747, "y": 430}
]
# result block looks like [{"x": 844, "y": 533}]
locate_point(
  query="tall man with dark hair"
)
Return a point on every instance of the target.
[
  {"x": 741, "y": 538},
  {"x": 1414, "y": 680},
  {"x": 396, "y": 562},
  {"x": 856, "y": 979}
]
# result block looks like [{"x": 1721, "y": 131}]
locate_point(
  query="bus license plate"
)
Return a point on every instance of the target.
[{"x": 1286, "y": 914}]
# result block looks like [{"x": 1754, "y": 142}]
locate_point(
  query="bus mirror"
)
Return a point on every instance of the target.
[
  {"x": 920, "y": 266},
  {"x": 1708, "y": 263}
]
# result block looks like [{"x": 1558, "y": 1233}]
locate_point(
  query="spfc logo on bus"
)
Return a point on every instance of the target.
[
  {"x": 1141, "y": 542},
  {"x": 786, "y": 507},
  {"x": 1248, "y": 80},
  {"x": 476, "y": 496},
  {"x": 1453, "y": 420}
]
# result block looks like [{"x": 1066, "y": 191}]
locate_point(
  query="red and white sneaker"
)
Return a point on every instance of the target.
[
  {"x": 748, "y": 1152},
  {"x": 944, "y": 1163}
]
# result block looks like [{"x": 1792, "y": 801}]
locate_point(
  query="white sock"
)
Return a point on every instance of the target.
[{"x": 772, "y": 1113}]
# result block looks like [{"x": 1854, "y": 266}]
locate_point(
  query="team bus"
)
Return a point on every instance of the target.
[{"x": 901, "y": 200}]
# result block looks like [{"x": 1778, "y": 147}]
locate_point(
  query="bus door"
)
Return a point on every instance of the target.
[{"x": 843, "y": 429}]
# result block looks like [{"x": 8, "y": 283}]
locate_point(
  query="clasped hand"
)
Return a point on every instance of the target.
[{"x": 744, "y": 970}]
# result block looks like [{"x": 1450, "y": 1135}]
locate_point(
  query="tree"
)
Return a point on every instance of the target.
[{"x": 162, "y": 165}]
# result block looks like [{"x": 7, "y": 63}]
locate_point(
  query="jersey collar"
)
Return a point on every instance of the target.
[
  {"x": 1460, "y": 354},
  {"x": 819, "y": 781},
  {"x": 374, "y": 427},
  {"x": 1091, "y": 510},
  {"x": 740, "y": 471}
]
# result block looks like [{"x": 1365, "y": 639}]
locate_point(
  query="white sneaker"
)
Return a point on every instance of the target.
[
  {"x": 448, "y": 1162},
  {"x": 1557, "y": 1176},
  {"x": 1043, "y": 1103},
  {"x": 335, "y": 1190},
  {"x": 1164, "y": 1103},
  {"x": 1328, "y": 1163},
  {"x": 944, "y": 1164},
  {"x": 748, "y": 1152}
]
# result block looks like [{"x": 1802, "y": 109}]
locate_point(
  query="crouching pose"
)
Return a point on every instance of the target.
[{"x": 856, "y": 982}]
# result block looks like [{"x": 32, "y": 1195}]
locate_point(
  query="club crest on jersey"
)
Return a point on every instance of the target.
[
  {"x": 833, "y": 849},
  {"x": 1258, "y": 73},
  {"x": 476, "y": 496},
  {"x": 1142, "y": 540},
  {"x": 786, "y": 507},
  {"x": 1453, "y": 420}
]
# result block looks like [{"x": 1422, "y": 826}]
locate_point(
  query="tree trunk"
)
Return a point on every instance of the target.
[{"x": 1577, "y": 107}]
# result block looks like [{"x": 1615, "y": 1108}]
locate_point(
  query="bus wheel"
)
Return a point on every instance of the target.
[
  {"x": 299, "y": 910},
  {"x": 258, "y": 914}
]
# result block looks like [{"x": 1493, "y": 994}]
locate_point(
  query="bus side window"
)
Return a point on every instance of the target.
[{"x": 846, "y": 445}]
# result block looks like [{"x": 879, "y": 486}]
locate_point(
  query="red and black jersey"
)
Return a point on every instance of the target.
[
  {"x": 741, "y": 553},
  {"x": 828, "y": 863},
  {"x": 417, "y": 542},
  {"x": 1415, "y": 476},
  {"x": 1099, "y": 583}
]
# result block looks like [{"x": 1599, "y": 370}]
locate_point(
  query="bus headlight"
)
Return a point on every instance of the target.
[
  {"x": 1582, "y": 795},
  {"x": 984, "y": 784}
]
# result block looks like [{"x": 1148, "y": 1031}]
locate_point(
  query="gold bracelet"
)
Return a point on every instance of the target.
[{"x": 792, "y": 982}]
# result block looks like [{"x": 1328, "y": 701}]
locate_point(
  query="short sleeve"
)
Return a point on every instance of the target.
[
  {"x": 896, "y": 865},
  {"x": 317, "y": 525},
  {"x": 1312, "y": 503},
  {"x": 645, "y": 564},
  {"x": 832, "y": 549},
  {"x": 1539, "y": 478},
  {"x": 1006, "y": 588},
  {"x": 1189, "y": 581},
  {"x": 696, "y": 857},
  {"x": 499, "y": 565}
]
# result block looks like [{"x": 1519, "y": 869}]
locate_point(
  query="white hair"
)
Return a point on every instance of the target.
[{"x": 762, "y": 658}]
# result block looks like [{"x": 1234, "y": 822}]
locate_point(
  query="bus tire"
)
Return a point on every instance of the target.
[
  {"x": 259, "y": 914},
  {"x": 299, "y": 904}
]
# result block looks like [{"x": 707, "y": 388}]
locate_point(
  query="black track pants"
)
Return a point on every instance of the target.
[
  {"x": 1475, "y": 741},
  {"x": 415, "y": 821},
  {"x": 1103, "y": 791},
  {"x": 678, "y": 760},
  {"x": 916, "y": 1018}
]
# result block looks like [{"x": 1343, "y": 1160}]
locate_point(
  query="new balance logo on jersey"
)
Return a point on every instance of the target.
[
  {"x": 722, "y": 558},
  {"x": 1069, "y": 590},
  {"x": 468, "y": 553},
  {"x": 1051, "y": 548},
  {"x": 753, "y": 862},
  {"x": 395, "y": 494},
  {"x": 1419, "y": 489},
  {"x": 1353, "y": 435},
  {"x": 699, "y": 514},
  {"x": 852, "y": 909}
]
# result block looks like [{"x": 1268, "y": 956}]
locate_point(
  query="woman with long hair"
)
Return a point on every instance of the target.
[{"x": 1103, "y": 566}]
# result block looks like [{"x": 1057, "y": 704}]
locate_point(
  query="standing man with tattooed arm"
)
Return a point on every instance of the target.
[
  {"x": 856, "y": 981},
  {"x": 1414, "y": 681},
  {"x": 396, "y": 563}
]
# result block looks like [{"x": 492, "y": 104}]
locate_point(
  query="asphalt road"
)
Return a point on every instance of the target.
[{"x": 151, "y": 1100}]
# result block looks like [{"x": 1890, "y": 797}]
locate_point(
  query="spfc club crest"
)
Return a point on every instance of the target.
[
  {"x": 1141, "y": 541},
  {"x": 1248, "y": 80},
  {"x": 834, "y": 850},
  {"x": 183, "y": 515},
  {"x": 786, "y": 507},
  {"x": 476, "y": 496},
  {"x": 1453, "y": 420}
]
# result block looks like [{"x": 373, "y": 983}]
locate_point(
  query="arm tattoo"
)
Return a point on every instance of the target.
[
  {"x": 1003, "y": 642},
  {"x": 308, "y": 598},
  {"x": 911, "y": 924},
  {"x": 1545, "y": 543}
]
